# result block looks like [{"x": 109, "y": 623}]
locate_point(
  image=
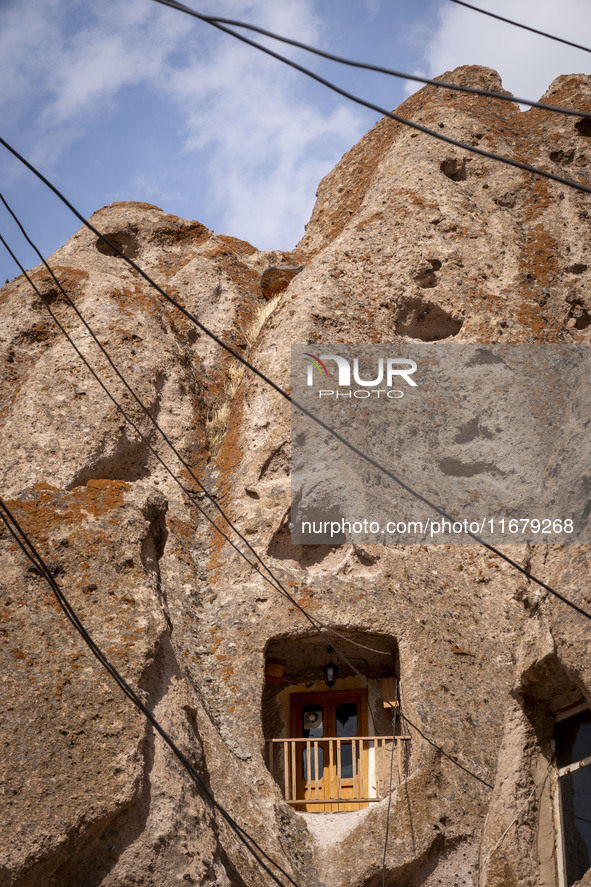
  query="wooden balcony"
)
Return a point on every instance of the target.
[{"x": 334, "y": 774}]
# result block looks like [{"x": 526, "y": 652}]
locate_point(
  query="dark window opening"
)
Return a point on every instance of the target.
[{"x": 573, "y": 758}]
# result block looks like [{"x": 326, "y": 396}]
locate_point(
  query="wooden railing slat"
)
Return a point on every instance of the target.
[
  {"x": 286, "y": 770},
  {"x": 316, "y": 786},
  {"x": 329, "y": 787},
  {"x": 378, "y": 768},
  {"x": 293, "y": 771},
  {"x": 361, "y": 766}
]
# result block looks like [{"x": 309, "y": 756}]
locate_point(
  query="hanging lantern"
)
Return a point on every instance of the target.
[{"x": 330, "y": 670}]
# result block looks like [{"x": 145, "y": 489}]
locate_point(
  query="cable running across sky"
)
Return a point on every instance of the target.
[
  {"x": 366, "y": 66},
  {"x": 515, "y": 24},
  {"x": 322, "y": 629},
  {"x": 526, "y": 167},
  {"x": 269, "y": 576}
]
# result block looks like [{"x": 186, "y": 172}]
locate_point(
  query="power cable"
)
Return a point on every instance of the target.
[
  {"x": 142, "y": 406},
  {"x": 322, "y": 630},
  {"x": 437, "y": 135},
  {"x": 313, "y": 622},
  {"x": 366, "y": 66},
  {"x": 276, "y": 583},
  {"x": 527, "y": 806},
  {"x": 271, "y": 578},
  {"x": 387, "y": 831},
  {"x": 442, "y": 751},
  {"x": 133, "y": 424},
  {"x": 27, "y": 547},
  {"x": 359, "y": 101},
  {"x": 282, "y": 392},
  {"x": 519, "y": 25},
  {"x": 268, "y": 381}
]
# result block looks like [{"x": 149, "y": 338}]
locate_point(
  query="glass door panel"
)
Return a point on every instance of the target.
[
  {"x": 312, "y": 728},
  {"x": 346, "y": 718}
]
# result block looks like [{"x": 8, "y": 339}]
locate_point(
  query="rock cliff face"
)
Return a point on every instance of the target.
[{"x": 408, "y": 238}]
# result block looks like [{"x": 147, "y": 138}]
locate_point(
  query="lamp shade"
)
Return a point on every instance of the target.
[{"x": 330, "y": 671}]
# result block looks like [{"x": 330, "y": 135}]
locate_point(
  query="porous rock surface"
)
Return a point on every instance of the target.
[{"x": 409, "y": 238}]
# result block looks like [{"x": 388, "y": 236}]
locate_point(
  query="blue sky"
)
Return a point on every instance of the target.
[{"x": 127, "y": 100}]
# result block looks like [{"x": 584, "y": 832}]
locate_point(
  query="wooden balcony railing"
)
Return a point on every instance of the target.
[{"x": 335, "y": 773}]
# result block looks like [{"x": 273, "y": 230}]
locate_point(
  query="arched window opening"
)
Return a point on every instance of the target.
[
  {"x": 557, "y": 708},
  {"x": 329, "y": 731}
]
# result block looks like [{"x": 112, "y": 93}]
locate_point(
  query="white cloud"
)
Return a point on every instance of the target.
[
  {"x": 267, "y": 147},
  {"x": 61, "y": 64},
  {"x": 22, "y": 33},
  {"x": 256, "y": 135},
  {"x": 527, "y": 62}
]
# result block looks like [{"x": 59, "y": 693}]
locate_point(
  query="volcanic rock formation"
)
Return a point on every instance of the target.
[{"x": 410, "y": 239}]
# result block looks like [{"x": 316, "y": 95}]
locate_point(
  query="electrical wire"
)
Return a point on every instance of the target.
[
  {"x": 277, "y": 388},
  {"x": 304, "y": 612},
  {"x": 322, "y": 630},
  {"x": 38, "y": 563},
  {"x": 134, "y": 425},
  {"x": 527, "y": 806},
  {"x": 271, "y": 578},
  {"x": 133, "y": 393},
  {"x": 359, "y": 101},
  {"x": 276, "y": 583},
  {"x": 443, "y": 752},
  {"x": 387, "y": 830},
  {"x": 518, "y": 25},
  {"x": 318, "y": 626},
  {"x": 237, "y": 356},
  {"x": 29, "y": 550},
  {"x": 241, "y": 832},
  {"x": 27, "y": 547},
  {"x": 366, "y": 66}
]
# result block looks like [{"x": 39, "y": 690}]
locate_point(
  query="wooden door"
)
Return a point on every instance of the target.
[{"x": 330, "y": 767}]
